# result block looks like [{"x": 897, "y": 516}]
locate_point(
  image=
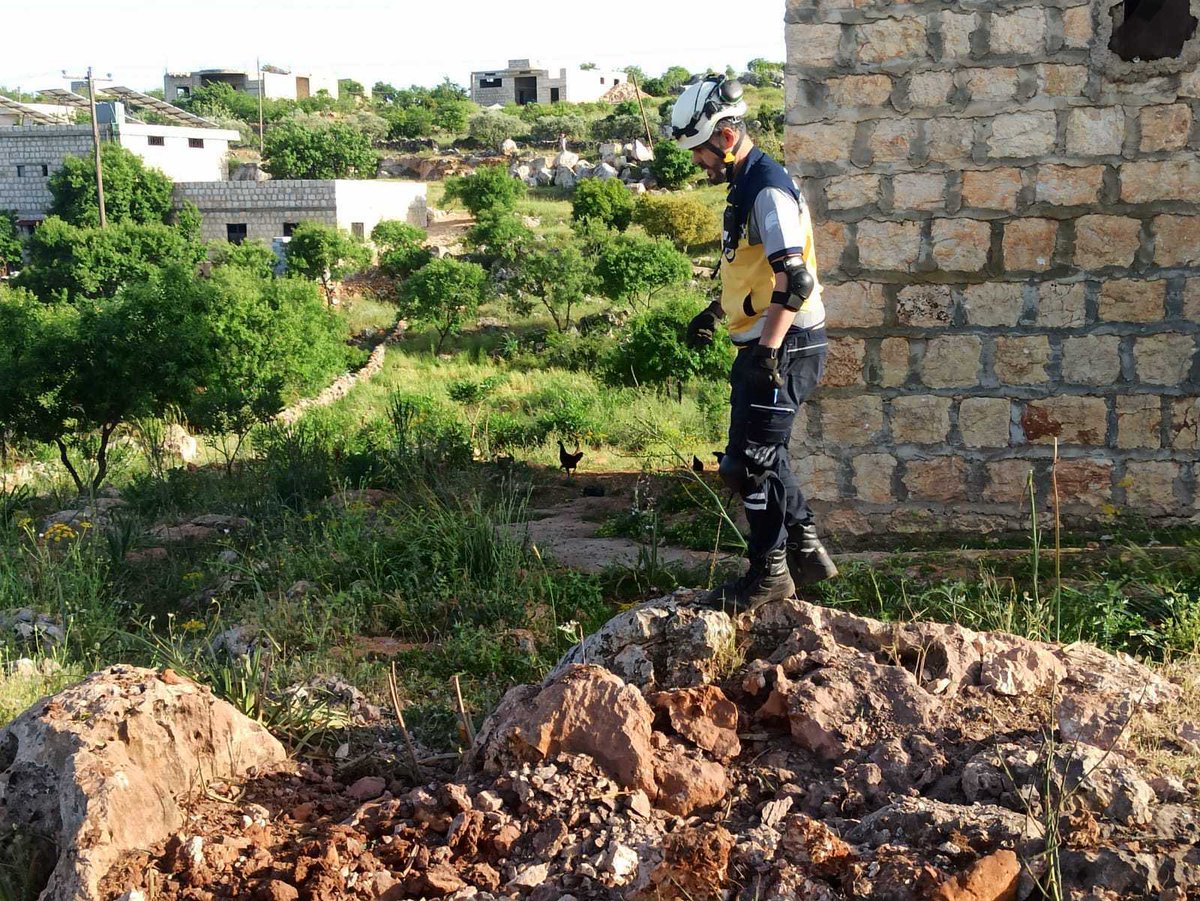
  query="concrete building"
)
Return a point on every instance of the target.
[
  {"x": 1007, "y": 208},
  {"x": 263, "y": 210},
  {"x": 272, "y": 85},
  {"x": 30, "y": 153},
  {"x": 528, "y": 81}
]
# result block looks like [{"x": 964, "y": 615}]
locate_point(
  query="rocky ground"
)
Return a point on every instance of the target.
[{"x": 802, "y": 753}]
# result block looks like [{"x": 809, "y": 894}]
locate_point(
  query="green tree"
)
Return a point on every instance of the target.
[
  {"x": 401, "y": 247},
  {"x": 70, "y": 374},
  {"x": 548, "y": 128},
  {"x": 10, "y": 242},
  {"x": 672, "y": 165},
  {"x": 684, "y": 220},
  {"x": 625, "y": 123},
  {"x": 499, "y": 235},
  {"x": 556, "y": 275},
  {"x": 251, "y": 256},
  {"x": 409, "y": 124},
  {"x": 324, "y": 254},
  {"x": 69, "y": 263},
  {"x": 636, "y": 74},
  {"x": 493, "y": 129},
  {"x": 329, "y": 150},
  {"x": 632, "y": 269},
  {"x": 674, "y": 79},
  {"x": 604, "y": 200},
  {"x": 443, "y": 294},
  {"x": 489, "y": 188},
  {"x": 348, "y": 87},
  {"x": 132, "y": 192},
  {"x": 383, "y": 92},
  {"x": 654, "y": 351},
  {"x": 448, "y": 91},
  {"x": 450, "y": 116},
  {"x": 263, "y": 343}
]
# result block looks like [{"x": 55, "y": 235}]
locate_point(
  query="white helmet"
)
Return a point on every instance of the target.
[{"x": 701, "y": 106}]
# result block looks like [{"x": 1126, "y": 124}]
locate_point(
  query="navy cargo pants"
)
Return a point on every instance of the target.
[{"x": 773, "y": 500}]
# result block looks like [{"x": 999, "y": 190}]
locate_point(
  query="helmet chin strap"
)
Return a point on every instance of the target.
[{"x": 728, "y": 157}]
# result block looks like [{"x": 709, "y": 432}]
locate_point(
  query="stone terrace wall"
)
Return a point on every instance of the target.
[{"x": 1010, "y": 241}]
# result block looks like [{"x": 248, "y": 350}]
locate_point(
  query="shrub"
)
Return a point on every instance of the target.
[
  {"x": 401, "y": 247},
  {"x": 654, "y": 351},
  {"x": 10, "y": 241},
  {"x": 132, "y": 192},
  {"x": 252, "y": 256},
  {"x": 632, "y": 268},
  {"x": 443, "y": 294},
  {"x": 324, "y": 254},
  {"x": 607, "y": 201},
  {"x": 625, "y": 123},
  {"x": 499, "y": 235},
  {"x": 407, "y": 124},
  {"x": 684, "y": 220},
  {"x": 489, "y": 188},
  {"x": 672, "y": 165},
  {"x": 558, "y": 276},
  {"x": 329, "y": 150},
  {"x": 68, "y": 262},
  {"x": 493, "y": 129},
  {"x": 548, "y": 128}
]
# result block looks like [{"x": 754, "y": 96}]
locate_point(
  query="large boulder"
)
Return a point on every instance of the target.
[
  {"x": 666, "y": 643},
  {"x": 105, "y": 767},
  {"x": 584, "y": 710}
]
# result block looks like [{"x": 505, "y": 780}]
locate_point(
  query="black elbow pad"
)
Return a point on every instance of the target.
[{"x": 800, "y": 284}]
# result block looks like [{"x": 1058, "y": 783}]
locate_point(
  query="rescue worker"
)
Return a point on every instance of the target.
[{"x": 771, "y": 303}]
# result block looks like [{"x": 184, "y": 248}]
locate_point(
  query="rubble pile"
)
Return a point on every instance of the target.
[
  {"x": 628, "y": 162},
  {"x": 799, "y": 753}
]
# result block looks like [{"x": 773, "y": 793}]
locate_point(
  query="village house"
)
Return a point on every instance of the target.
[
  {"x": 529, "y": 81},
  {"x": 271, "y": 83}
]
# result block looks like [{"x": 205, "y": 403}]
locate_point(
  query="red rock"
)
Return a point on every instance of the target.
[
  {"x": 437, "y": 882},
  {"x": 585, "y": 710},
  {"x": 704, "y": 716},
  {"x": 276, "y": 890},
  {"x": 991, "y": 878},
  {"x": 687, "y": 782},
  {"x": 367, "y": 788}
]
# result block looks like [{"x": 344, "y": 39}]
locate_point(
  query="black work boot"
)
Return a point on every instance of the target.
[
  {"x": 808, "y": 561},
  {"x": 767, "y": 579}
]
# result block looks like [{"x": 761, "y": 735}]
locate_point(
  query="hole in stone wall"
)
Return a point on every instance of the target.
[{"x": 1151, "y": 29}]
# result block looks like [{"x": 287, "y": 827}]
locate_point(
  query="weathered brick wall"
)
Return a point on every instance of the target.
[{"x": 1010, "y": 242}]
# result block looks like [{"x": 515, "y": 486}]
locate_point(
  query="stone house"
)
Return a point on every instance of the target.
[
  {"x": 30, "y": 153},
  {"x": 1007, "y": 199},
  {"x": 194, "y": 157},
  {"x": 529, "y": 81}
]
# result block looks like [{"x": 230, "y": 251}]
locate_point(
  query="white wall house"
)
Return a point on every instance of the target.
[
  {"x": 529, "y": 81},
  {"x": 273, "y": 85},
  {"x": 29, "y": 154}
]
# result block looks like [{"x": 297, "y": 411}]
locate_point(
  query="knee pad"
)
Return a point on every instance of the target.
[{"x": 736, "y": 474}]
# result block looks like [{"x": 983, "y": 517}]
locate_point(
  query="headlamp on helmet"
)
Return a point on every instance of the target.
[{"x": 702, "y": 105}]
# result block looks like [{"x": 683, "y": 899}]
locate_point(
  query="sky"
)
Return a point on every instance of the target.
[{"x": 370, "y": 40}]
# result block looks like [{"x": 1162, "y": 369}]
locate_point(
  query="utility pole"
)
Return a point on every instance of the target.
[
  {"x": 258, "y": 62},
  {"x": 637, "y": 92},
  {"x": 91, "y": 80}
]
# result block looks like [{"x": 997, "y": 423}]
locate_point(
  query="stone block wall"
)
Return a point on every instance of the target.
[
  {"x": 1008, "y": 229},
  {"x": 262, "y": 206},
  {"x": 32, "y": 147}
]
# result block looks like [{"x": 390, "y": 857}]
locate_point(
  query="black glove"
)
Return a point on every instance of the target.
[
  {"x": 761, "y": 455},
  {"x": 701, "y": 329},
  {"x": 764, "y": 374}
]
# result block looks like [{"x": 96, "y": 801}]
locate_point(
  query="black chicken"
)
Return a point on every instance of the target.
[
  {"x": 568, "y": 462},
  {"x": 697, "y": 464}
]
